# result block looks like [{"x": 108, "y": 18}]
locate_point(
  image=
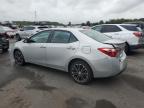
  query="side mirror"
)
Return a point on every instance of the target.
[{"x": 27, "y": 40}]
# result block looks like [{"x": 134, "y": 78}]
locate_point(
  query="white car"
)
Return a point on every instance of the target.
[
  {"x": 84, "y": 53},
  {"x": 8, "y": 31},
  {"x": 128, "y": 32},
  {"x": 28, "y": 31}
]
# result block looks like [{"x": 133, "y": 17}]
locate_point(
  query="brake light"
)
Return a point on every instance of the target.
[
  {"x": 137, "y": 34},
  {"x": 109, "y": 51}
]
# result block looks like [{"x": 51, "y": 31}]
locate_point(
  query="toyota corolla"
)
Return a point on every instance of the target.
[{"x": 84, "y": 53}]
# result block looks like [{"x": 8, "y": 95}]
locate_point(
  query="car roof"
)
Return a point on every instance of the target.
[
  {"x": 67, "y": 29},
  {"x": 119, "y": 24}
]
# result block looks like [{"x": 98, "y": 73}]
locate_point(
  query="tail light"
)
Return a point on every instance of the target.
[
  {"x": 109, "y": 51},
  {"x": 138, "y": 34}
]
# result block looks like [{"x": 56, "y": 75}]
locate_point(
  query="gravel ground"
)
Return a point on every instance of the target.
[{"x": 34, "y": 86}]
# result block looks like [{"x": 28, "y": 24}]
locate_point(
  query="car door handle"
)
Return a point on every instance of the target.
[
  {"x": 71, "y": 48},
  {"x": 42, "y": 47}
]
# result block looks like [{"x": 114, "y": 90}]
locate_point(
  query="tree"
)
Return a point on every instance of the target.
[
  {"x": 83, "y": 24},
  {"x": 88, "y": 23},
  {"x": 69, "y": 24},
  {"x": 101, "y": 22}
]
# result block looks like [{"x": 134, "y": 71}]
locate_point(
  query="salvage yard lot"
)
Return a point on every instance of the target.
[{"x": 35, "y": 86}]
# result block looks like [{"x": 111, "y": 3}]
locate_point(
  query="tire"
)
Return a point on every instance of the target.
[
  {"x": 127, "y": 49},
  {"x": 81, "y": 72},
  {"x": 19, "y": 58},
  {"x": 5, "y": 50},
  {"x": 18, "y": 38}
]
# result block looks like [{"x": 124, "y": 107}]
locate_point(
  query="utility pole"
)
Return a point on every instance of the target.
[{"x": 35, "y": 16}]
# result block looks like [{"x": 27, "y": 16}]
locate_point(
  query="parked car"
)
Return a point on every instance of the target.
[
  {"x": 8, "y": 31},
  {"x": 127, "y": 32},
  {"x": 139, "y": 24},
  {"x": 85, "y": 53},
  {"x": 29, "y": 31},
  {"x": 4, "y": 43}
]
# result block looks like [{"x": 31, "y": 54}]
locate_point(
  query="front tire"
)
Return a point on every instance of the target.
[
  {"x": 81, "y": 72},
  {"x": 19, "y": 58}
]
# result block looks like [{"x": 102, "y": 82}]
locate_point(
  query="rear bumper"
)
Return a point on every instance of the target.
[{"x": 109, "y": 67}]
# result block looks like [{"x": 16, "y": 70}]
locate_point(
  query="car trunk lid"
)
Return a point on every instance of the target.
[{"x": 117, "y": 44}]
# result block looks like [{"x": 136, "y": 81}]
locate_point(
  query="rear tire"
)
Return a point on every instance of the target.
[
  {"x": 127, "y": 49},
  {"x": 81, "y": 72},
  {"x": 19, "y": 58},
  {"x": 5, "y": 50}
]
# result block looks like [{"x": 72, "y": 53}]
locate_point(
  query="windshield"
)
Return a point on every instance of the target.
[
  {"x": 95, "y": 35},
  {"x": 28, "y": 28}
]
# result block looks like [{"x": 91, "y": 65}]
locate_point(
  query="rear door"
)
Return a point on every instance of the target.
[{"x": 62, "y": 47}]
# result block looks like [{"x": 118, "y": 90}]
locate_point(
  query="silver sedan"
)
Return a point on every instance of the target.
[{"x": 84, "y": 53}]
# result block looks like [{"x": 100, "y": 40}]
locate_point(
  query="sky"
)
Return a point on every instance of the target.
[{"x": 75, "y": 11}]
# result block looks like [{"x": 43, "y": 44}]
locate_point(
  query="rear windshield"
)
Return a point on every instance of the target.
[
  {"x": 130, "y": 27},
  {"x": 28, "y": 28},
  {"x": 95, "y": 35}
]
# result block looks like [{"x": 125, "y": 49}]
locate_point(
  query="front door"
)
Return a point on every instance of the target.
[{"x": 35, "y": 49}]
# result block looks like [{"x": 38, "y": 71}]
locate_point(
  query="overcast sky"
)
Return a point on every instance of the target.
[{"x": 76, "y": 11}]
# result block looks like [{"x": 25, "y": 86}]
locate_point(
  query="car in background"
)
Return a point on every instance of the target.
[
  {"x": 128, "y": 32},
  {"x": 4, "y": 43},
  {"x": 139, "y": 24},
  {"x": 84, "y": 53},
  {"x": 10, "y": 33},
  {"x": 29, "y": 31}
]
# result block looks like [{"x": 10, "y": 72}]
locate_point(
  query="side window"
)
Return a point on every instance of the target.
[
  {"x": 41, "y": 37},
  {"x": 72, "y": 39},
  {"x": 110, "y": 28},
  {"x": 60, "y": 37},
  {"x": 97, "y": 28}
]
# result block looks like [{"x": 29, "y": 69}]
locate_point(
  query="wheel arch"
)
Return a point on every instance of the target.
[{"x": 79, "y": 59}]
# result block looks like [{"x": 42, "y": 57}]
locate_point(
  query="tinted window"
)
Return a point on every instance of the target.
[
  {"x": 97, "y": 28},
  {"x": 130, "y": 27},
  {"x": 110, "y": 28},
  {"x": 41, "y": 37},
  {"x": 42, "y": 27},
  {"x": 60, "y": 37},
  {"x": 95, "y": 35},
  {"x": 28, "y": 28},
  {"x": 72, "y": 39}
]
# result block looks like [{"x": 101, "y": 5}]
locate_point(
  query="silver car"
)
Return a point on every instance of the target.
[
  {"x": 28, "y": 31},
  {"x": 85, "y": 53}
]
